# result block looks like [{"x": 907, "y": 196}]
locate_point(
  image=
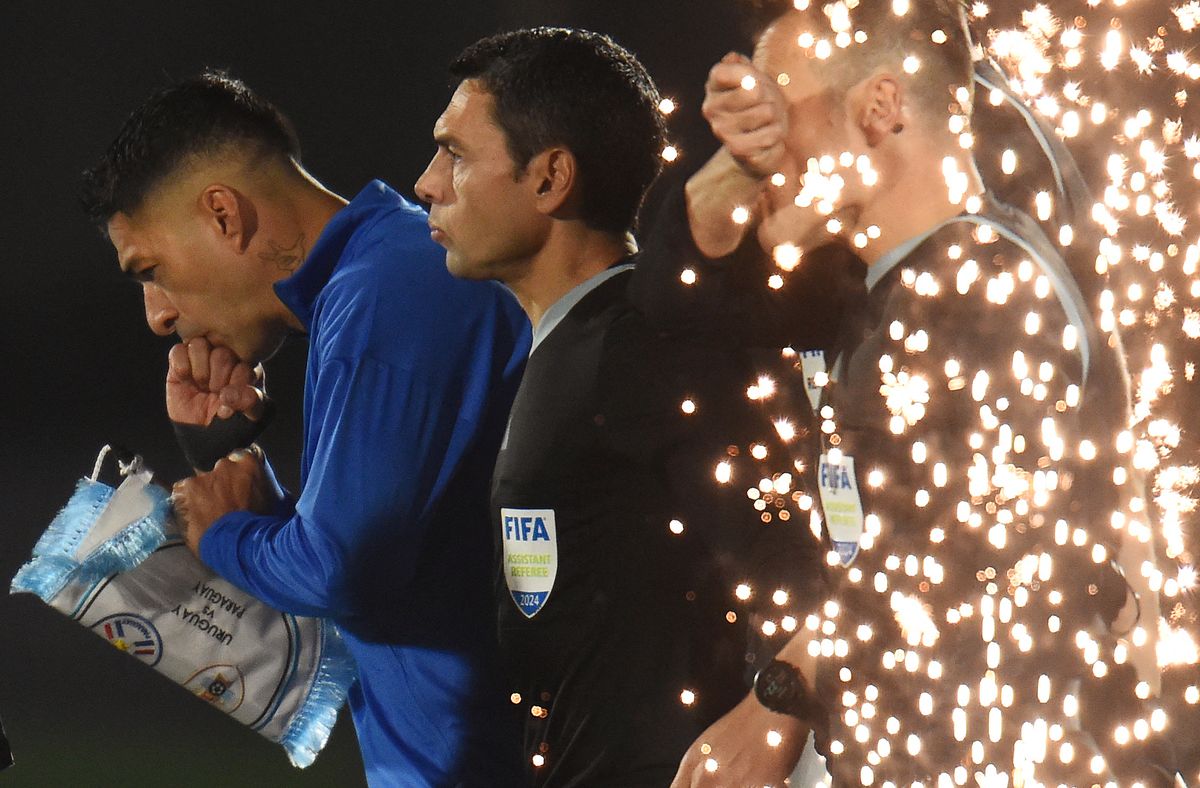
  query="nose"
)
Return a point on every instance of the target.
[
  {"x": 161, "y": 314},
  {"x": 425, "y": 185}
]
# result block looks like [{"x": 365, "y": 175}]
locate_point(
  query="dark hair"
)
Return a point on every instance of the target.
[
  {"x": 200, "y": 116},
  {"x": 944, "y": 66},
  {"x": 554, "y": 86}
]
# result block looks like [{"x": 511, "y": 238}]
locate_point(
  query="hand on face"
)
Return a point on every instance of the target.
[
  {"x": 786, "y": 222},
  {"x": 738, "y": 746},
  {"x": 748, "y": 115},
  {"x": 206, "y": 382},
  {"x": 237, "y": 483}
]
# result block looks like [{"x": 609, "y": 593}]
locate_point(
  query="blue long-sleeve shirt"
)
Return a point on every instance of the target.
[{"x": 410, "y": 377}]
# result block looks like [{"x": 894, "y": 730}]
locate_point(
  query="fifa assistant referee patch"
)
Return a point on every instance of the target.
[
  {"x": 530, "y": 556},
  {"x": 112, "y": 561},
  {"x": 842, "y": 505}
]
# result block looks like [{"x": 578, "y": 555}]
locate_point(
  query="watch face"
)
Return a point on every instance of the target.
[{"x": 778, "y": 686}]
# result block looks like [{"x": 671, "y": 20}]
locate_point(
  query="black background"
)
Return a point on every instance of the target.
[{"x": 363, "y": 83}]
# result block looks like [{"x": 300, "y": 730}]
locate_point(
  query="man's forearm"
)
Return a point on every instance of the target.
[
  {"x": 285, "y": 562},
  {"x": 714, "y": 193}
]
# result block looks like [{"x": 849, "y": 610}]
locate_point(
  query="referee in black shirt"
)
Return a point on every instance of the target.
[{"x": 612, "y": 607}]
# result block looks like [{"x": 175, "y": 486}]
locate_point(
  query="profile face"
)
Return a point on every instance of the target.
[
  {"x": 483, "y": 210},
  {"x": 191, "y": 285}
]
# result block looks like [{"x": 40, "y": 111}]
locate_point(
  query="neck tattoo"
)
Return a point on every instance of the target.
[{"x": 285, "y": 258}]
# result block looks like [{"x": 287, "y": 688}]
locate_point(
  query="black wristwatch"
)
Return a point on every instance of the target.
[{"x": 780, "y": 688}]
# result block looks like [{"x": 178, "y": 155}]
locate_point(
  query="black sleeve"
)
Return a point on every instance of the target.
[
  {"x": 205, "y": 446},
  {"x": 644, "y": 381},
  {"x": 731, "y": 300}
]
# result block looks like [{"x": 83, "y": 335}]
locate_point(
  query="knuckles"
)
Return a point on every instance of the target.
[
  {"x": 177, "y": 357},
  {"x": 246, "y": 467},
  {"x": 222, "y": 356},
  {"x": 242, "y": 470}
]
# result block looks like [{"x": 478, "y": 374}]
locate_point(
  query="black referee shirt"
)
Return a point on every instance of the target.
[{"x": 612, "y": 624}]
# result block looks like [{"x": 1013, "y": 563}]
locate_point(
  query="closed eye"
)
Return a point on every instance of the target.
[{"x": 144, "y": 275}]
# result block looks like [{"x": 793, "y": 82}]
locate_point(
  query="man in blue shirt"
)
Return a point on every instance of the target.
[{"x": 410, "y": 377}]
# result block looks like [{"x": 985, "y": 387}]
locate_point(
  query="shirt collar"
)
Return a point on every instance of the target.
[
  {"x": 559, "y": 309},
  {"x": 299, "y": 291},
  {"x": 893, "y": 257}
]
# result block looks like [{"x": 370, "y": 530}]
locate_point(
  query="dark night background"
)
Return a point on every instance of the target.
[{"x": 363, "y": 83}]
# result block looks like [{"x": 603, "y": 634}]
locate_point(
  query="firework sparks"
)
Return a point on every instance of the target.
[{"x": 1114, "y": 80}]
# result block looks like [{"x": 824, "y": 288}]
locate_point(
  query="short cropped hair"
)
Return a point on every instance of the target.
[
  {"x": 581, "y": 90},
  {"x": 204, "y": 115},
  {"x": 946, "y": 63}
]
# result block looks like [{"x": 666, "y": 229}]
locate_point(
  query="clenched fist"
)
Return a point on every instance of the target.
[
  {"x": 236, "y": 483},
  {"x": 206, "y": 382},
  {"x": 748, "y": 115}
]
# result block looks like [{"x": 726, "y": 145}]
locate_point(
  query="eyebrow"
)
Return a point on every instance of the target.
[{"x": 446, "y": 139}]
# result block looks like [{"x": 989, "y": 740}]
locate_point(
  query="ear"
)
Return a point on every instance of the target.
[
  {"x": 229, "y": 214},
  {"x": 880, "y": 103},
  {"x": 553, "y": 174}
]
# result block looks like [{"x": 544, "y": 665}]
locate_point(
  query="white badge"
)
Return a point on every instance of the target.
[
  {"x": 812, "y": 364},
  {"x": 842, "y": 505},
  {"x": 530, "y": 556}
]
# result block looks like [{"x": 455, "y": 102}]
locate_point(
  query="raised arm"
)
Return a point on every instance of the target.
[{"x": 703, "y": 270}]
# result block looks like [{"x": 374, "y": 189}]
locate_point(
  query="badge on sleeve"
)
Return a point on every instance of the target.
[
  {"x": 530, "y": 556},
  {"x": 842, "y": 505},
  {"x": 812, "y": 364}
]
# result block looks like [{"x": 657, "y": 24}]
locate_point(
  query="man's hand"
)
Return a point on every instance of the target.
[
  {"x": 740, "y": 750},
  {"x": 237, "y": 483},
  {"x": 748, "y": 115},
  {"x": 787, "y": 223},
  {"x": 206, "y": 382}
]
